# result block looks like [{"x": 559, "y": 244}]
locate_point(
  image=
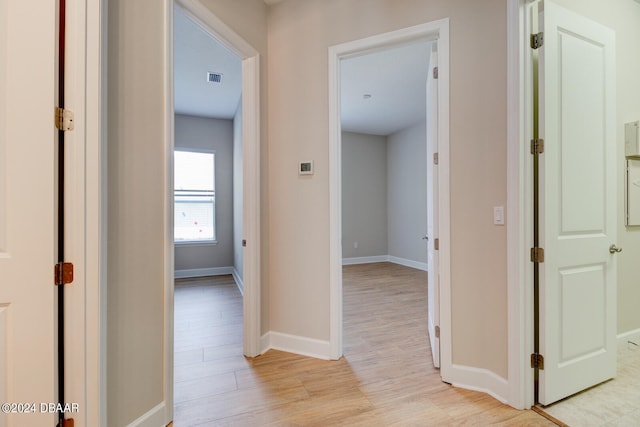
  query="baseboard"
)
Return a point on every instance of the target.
[
  {"x": 409, "y": 263},
  {"x": 238, "y": 279},
  {"x": 203, "y": 272},
  {"x": 385, "y": 258},
  {"x": 482, "y": 380},
  {"x": 304, "y": 346},
  {"x": 633, "y": 335},
  {"x": 154, "y": 418},
  {"x": 365, "y": 260}
]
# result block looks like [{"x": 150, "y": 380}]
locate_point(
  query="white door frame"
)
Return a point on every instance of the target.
[
  {"x": 436, "y": 30},
  {"x": 251, "y": 163}
]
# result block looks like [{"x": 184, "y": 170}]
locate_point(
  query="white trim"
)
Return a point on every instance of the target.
[
  {"x": 203, "y": 272},
  {"x": 251, "y": 129},
  {"x": 482, "y": 380},
  {"x": 385, "y": 258},
  {"x": 238, "y": 279},
  {"x": 365, "y": 260},
  {"x": 264, "y": 343},
  {"x": 633, "y": 335},
  {"x": 153, "y": 418},
  {"x": 409, "y": 263},
  {"x": 320, "y": 349},
  {"x": 519, "y": 274},
  {"x": 436, "y": 30}
]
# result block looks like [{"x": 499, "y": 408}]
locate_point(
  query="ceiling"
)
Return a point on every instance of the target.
[
  {"x": 395, "y": 78},
  {"x": 196, "y": 53}
]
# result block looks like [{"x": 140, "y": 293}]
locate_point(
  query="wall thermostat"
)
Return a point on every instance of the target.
[{"x": 305, "y": 168}]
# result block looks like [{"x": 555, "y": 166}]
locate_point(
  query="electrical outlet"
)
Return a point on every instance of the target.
[
  {"x": 355, "y": 245},
  {"x": 498, "y": 215}
]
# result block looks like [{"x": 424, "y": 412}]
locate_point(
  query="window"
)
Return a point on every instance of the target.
[{"x": 194, "y": 196}]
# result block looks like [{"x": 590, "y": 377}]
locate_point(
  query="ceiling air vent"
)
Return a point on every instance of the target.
[{"x": 214, "y": 77}]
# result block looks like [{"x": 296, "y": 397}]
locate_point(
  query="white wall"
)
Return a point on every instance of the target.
[
  {"x": 364, "y": 195},
  {"x": 407, "y": 193},
  {"x": 623, "y": 16},
  {"x": 238, "y": 257},
  {"x": 300, "y": 33},
  {"x": 137, "y": 145},
  {"x": 201, "y": 133}
]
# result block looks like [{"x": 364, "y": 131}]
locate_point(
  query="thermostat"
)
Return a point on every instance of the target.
[{"x": 306, "y": 168}]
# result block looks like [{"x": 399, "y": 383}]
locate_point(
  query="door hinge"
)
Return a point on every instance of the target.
[
  {"x": 537, "y": 146},
  {"x": 437, "y": 331},
  {"x": 436, "y": 244},
  {"x": 537, "y": 255},
  {"x": 64, "y": 119},
  {"x": 244, "y": 243},
  {"x": 435, "y": 72},
  {"x": 63, "y": 273},
  {"x": 537, "y": 361},
  {"x": 537, "y": 40},
  {"x": 435, "y": 158}
]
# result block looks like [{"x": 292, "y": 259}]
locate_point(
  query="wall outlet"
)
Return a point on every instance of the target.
[{"x": 355, "y": 245}]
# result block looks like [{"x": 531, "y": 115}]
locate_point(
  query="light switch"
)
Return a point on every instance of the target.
[{"x": 498, "y": 215}]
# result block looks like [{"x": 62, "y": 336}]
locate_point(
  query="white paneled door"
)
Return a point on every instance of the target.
[
  {"x": 27, "y": 238},
  {"x": 578, "y": 203},
  {"x": 433, "y": 285}
]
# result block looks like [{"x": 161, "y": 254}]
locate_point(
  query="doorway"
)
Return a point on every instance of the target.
[{"x": 436, "y": 32}]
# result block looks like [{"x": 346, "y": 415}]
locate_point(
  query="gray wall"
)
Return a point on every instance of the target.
[
  {"x": 364, "y": 195},
  {"x": 238, "y": 255},
  {"x": 210, "y": 134},
  {"x": 384, "y": 194},
  {"x": 407, "y": 193}
]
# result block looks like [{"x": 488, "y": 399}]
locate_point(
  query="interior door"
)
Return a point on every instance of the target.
[
  {"x": 432, "y": 210},
  {"x": 578, "y": 203},
  {"x": 27, "y": 238}
]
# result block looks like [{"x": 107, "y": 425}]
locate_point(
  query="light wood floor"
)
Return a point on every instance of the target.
[{"x": 386, "y": 377}]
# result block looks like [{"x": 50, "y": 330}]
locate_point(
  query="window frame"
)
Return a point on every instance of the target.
[{"x": 201, "y": 242}]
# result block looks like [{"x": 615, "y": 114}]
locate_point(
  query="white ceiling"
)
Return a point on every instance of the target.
[
  {"x": 196, "y": 53},
  {"x": 396, "y": 80}
]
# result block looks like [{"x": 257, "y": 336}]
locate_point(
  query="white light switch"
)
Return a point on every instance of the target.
[{"x": 498, "y": 215}]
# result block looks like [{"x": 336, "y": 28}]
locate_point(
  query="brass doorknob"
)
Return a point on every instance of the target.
[{"x": 614, "y": 249}]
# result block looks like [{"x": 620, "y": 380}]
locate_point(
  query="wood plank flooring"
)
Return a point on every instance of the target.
[{"x": 386, "y": 377}]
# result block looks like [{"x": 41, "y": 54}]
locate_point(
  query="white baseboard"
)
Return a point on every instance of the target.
[
  {"x": 295, "y": 344},
  {"x": 633, "y": 335},
  {"x": 238, "y": 279},
  {"x": 365, "y": 260},
  {"x": 203, "y": 272},
  {"x": 385, "y": 258},
  {"x": 482, "y": 380},
  {"x": 154, "y": 418},
  {"x": 409, "y": 263}
]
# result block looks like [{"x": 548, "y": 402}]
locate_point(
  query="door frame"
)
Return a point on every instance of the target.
[
  {"x": 250, "y": 57},
  {"x": 435, "y": 30},
  {"x": 520, "y": 203}
]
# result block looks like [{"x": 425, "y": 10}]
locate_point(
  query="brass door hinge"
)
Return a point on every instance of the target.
[
  {"x": 537, "y": 255},
  {"x": 537, "y": 40},
  {"x": 64, "y": 119},
  {"x": 537, "y": 146},
  {"x": 537, "y": 361},
  {"x": 437, "y": 331},
  {"x": 436, "y": 244},
  {"x": 63, "y": 273}
]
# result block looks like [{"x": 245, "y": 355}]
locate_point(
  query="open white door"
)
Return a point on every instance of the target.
[
  {"x": 27, "y": 206},
  {"x": 433, "y": 292},
  {"x": 577, "y": 204}
]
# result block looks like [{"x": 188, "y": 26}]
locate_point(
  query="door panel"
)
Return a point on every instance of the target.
[
  {"x": 27, "y": 256},
  {"x": 578, "y": 204},
  {"x": 432, "y": 210}
]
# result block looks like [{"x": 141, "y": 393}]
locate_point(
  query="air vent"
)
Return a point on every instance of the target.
[{"x": 214, "y": 77}]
